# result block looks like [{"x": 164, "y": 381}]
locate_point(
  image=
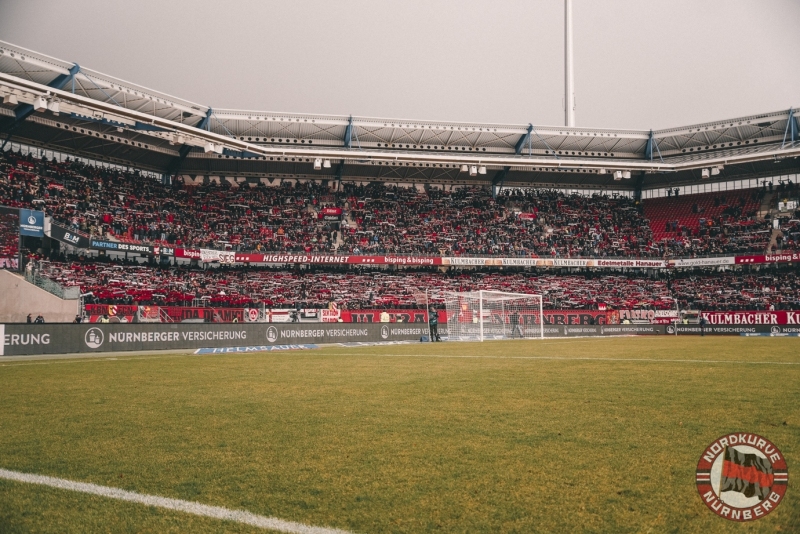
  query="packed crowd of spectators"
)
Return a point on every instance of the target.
[
  {"x": 788, "y": 239},
  {"x": 734, "y": 291},
  {"x": 376, "y": 218},
  {"x": 516, "y": 223},
  {"x": 379, "y": 288},
  {"x": 9, "y": 240},
  {"x": 381, "y": 219},
  {"x": 108, "y": 203}
]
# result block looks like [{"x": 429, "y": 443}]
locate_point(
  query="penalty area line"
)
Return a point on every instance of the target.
[{"x": 189, "y": 507}]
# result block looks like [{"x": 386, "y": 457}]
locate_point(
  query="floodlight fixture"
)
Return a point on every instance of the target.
[{"x": 39, "y": 103}]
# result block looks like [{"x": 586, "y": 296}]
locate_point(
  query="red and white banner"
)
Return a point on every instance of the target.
[
  {"x": 551, "y": 317},
  {"x": 335, "y": 259},
  {"x": 649, "y": 316},
  {"x": 702, "y": 262},
  {"x": 210, "y": 256},
  {"x": 555, "y": 262},
  {"x": 126, "y": 313},
  {"x": 752, "y": 317},
  {"x": 786, "y": 257},
  {"x": 187, "y": 253}
]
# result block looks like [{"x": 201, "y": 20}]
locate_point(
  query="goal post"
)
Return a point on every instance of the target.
[{"x": 480, "y": 315}]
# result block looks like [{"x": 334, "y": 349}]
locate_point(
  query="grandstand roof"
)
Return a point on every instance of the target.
[{"x": 108, "y": 119}]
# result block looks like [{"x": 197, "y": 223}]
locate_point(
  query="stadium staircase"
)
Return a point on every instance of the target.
[{"x": 767, "y": 204}]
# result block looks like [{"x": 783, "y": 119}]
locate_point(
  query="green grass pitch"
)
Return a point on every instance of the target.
[{"x": 600, "y": 435}]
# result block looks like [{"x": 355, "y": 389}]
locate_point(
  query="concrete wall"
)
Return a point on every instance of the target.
[{"x": 19, "y": 297}]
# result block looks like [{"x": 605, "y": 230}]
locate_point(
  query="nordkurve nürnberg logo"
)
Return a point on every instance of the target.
[{"x": 742, "y": 476}]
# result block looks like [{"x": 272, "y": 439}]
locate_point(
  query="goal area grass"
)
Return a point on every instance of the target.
[{"x": 554, "y": 435}]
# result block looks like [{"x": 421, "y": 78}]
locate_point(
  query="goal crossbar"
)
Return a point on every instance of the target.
[{"x": 481, "y": 315}]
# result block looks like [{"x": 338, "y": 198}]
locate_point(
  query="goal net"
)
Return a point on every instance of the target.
[{"x": 479, "y": 315}]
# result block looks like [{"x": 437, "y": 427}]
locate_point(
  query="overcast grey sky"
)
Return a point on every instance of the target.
[{"x": 638, "y": 63}]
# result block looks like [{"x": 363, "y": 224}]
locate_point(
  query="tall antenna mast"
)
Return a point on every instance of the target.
[{"x": 569, "y": 83}]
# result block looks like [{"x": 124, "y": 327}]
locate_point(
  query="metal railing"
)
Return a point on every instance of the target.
[{"x": 65, "y": 293}]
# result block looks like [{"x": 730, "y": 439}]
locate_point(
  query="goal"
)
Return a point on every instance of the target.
[{"x": 479, "y": 315}]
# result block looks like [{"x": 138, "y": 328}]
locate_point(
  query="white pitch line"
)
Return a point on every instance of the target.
[
  {"x": 196, "y": 508},
  {"x": 568, "y": 358}
]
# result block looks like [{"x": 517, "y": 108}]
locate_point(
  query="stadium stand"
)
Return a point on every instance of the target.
[
  {"x": 709, "y": 223},
  {"x": 384, "y": 219},
  {"x": 377, "y": 218},
  {"x": 470, "y": 221},
  {"x": 120, "y": 283},
  {"x": 9, "y": 242}
]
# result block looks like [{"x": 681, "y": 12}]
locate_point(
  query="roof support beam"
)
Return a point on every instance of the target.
[
  {"x": 795, "y": 127},
  {"x": 499, "y": 179},
  {"x": 339, "y": 171},
  {"x": 176, "y": 164},
  {"x": 205, "y": 123},
  {"x": 244, "y": 154},
  {"x": 638, "y": 188},
  {"x": 523, "y": 141},
  {"x": 348, "y": 142},
  {"x": 653, "y": 144},
  {"x": 791, "y": 133},
  {"x": 348, "y": 134},
  {"x": 24, "y": 111}
]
